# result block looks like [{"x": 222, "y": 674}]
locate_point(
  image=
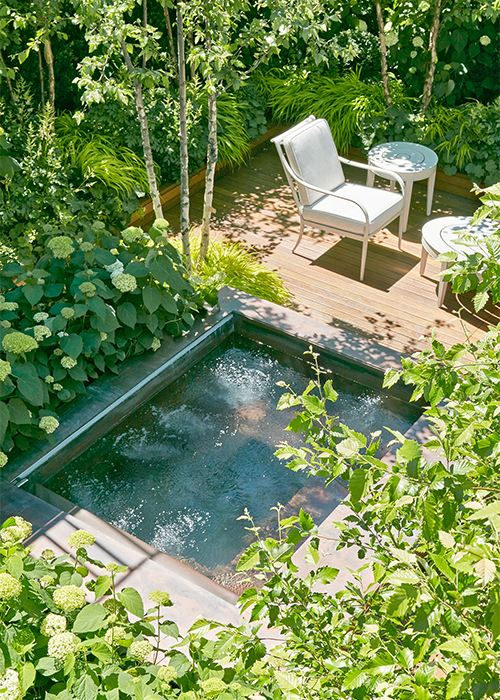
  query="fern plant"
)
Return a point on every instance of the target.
[{"x": 118, "y": 168}]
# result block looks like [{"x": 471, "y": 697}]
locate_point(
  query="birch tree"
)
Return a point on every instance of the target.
[
  {"x": 116, "y": 68},
  {"x": 221, "y": 31}
]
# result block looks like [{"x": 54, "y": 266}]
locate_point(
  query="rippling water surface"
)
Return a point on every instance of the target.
[{"x": 179, "y": 471}]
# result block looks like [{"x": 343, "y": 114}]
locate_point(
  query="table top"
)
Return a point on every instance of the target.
[
  {"x": 403, "y": 157},
  {"x": 444, "y": 234}
]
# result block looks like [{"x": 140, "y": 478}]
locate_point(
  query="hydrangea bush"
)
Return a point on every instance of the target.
[
  {"x": 85, "y": 306},
  {"x": 57, "y": 641}
]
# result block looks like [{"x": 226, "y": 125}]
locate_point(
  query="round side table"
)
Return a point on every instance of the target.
[
  {"x": 412, "y": 162},
  {"x": 441, "y": 236}
]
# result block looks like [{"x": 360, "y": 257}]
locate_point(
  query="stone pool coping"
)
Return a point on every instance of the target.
[{"x": 195, "y": 594}]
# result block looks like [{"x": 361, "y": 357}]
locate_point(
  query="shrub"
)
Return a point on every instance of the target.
[
  {"x": 228, "y": 263},
  {"x": 88, "y": 303},
  {"x": 56, "y": 644}
]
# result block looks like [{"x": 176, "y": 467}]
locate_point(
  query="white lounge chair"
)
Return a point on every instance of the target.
[{"x": 324, "y": 199}]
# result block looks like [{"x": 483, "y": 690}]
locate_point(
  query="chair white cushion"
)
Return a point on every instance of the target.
[
  {"x": 330, "y": 212},
  {"x": 313, "y": 157}
]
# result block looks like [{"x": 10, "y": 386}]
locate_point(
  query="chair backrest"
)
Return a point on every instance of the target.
[{"x": 312, "y": 156}]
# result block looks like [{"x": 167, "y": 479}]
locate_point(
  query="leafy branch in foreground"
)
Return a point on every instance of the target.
[{"x": 422, "y": 618}]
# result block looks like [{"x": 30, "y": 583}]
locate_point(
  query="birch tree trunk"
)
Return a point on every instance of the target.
[
  {"x": 144, "y": 24},
  {"x": 171, "y": 39},
  {"x": 42, "y": 81},
  {"x": 146, "y": 144},
  {"x": 383, "y": 53},
  {"x": 212, "y": 153},
  {"x": 429, "y": 81},
  {"x": 183, "y": 141},
  {"x": 49, "y": 59}
]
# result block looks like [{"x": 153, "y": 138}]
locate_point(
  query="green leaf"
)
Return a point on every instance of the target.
[
  {"x": 306, "y": 522},
  {"x": 33, "y": 293},
  {"x": 287, "y": 681},
  {"x": 97, "y": 305},
  {"x": 454, "y": 683},
  {"x": 102, "y": 586},
  {"x": 14, "y": 565},
  {"x": 101, "y": 650},
  {"x": 483, "y": 513},
  {"x": 85, "y": 688},
  {"x": 168, "y": 302},
  {"x": 329, "y": 391},
  {"x": 127, "y": 314},
  {"x": 152, "y": 298},
  {"x": 409, "y": 451},
  {"x": 131, "y": 601},
  {"x": 18, "y": 411},
  {"x": 137, "y": 269},
  {"x": 357, "y": 484},
  {"x": 354, "y": 678},
  {"x": 104, "y": 257},
  {"x": 391, "y": 376},
  {"x": 48, "y": 666},
  {"x": 72, "y": 345},
  {"x": 29, "y": 383},
  {"x": 348, "y": 448},
  {"x": 4, "y": 420},
  {"x": 248, "y": 560},
  {"x": 90, "y": 618},
  {"x": 27, "y": 676}
]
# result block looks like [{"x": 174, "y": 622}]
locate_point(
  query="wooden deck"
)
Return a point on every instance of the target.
[{"x": 393, "y": 305}]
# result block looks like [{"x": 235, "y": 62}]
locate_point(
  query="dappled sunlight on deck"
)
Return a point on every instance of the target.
[{"x": 393, "y": 305}]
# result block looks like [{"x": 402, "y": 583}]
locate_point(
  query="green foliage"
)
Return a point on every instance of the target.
[
  {"x": 478, "y": 269},
  {"x": 47, "y": 192},
  {"x": 343, "y": 102},
  {"x": 119, "y": 168},
  {"x": 228, "y": 263},
  {"x": 55, "y": 645},
  {"x": 420, "y": 620},
  {"x": 88, "y": 303},
  {"x": 465, "y": 138}
]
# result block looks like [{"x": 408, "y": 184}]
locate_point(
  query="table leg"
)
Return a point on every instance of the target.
[
  {"x": 407, "y": 202},
  {"x": 430, "y": 191},
  {"x": 423, "y": 261},
  {"x": 392, "y": 185},
  {"x": 370, "y": 178},
  {"x": 442, "y": 285}
]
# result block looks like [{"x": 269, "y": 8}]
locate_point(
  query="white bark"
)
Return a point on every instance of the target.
[
  {"x": 146, "y": 144},
  {"x": 49, "y": 59},
  {"x": 383, "y": 53},
  {"x": 183, "y": 141},
  {"x": 212, "y": 154}
]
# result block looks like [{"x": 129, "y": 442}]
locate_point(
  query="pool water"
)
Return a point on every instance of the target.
[{"x": 180, "y": 470}]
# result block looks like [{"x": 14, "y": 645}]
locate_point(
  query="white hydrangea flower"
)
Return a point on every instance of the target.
[
  {"x": 5, "y": 324},
  {"x": 484, "y": 40},
  {"x": 115, "y": 269},
  {"x": 140, "y": 650},
  {"x": 41, "y": 332},
  {"x": 68, "y": 362},
  {"x": 61, "y": 246},
  {"x": 17, "y": 532},
  {"x": 5, "y": 369},
  {"x": 8, "y": 305},
  {"x": 10, "y": 686},
  {"x": 86, "y": 246},
  {"x": 391, "y": 38},
  {"x": 58, "y": 351},
  {"x": 57, "y": 387},
  {"x": 40, "y": 316},
  {"x": 69, "y": 598},
  {"x": 115, "y": 634},
  {"x": 167, "y": 674},
  {"x": 67, "y": 312},
  {"x": 88, "y": 289},
  {"x": 62, "y": 644},
  {"x": 155, "y": 344},
  {"x": 413, "y": 54},
  {"x": 104, "y": 336},
  {"x": 124, "y": 282},
  {"x": 53, "y": 624},
  {"x": 19, "y": 343},
  {"x": 417, "y": 41},
  {"x": 132, "y": 233},
  {"x": 49, "y": 379},
  {"x": 9, "y": 586},
  {"x": 49, "y": 424},
  {"x": 80, "y": 538},
  {"x": 62, "y": 334}
]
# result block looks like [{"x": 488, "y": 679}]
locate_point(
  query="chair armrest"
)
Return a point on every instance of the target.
[
  {"x": 329, "y": 193},
  {"x": 387, "y": 174}
]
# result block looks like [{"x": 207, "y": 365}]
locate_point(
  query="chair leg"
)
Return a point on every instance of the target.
[
  {"x": 430, "y": 192},
  {"x": 423, "y": 261},
  {"x": 363, "y": 259},
  {"x": 442, "y": 286},
  {"x": 300, "y": 235},
  {"x": 370, "y": 178},
  {"x": 400, "y": 232}
]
